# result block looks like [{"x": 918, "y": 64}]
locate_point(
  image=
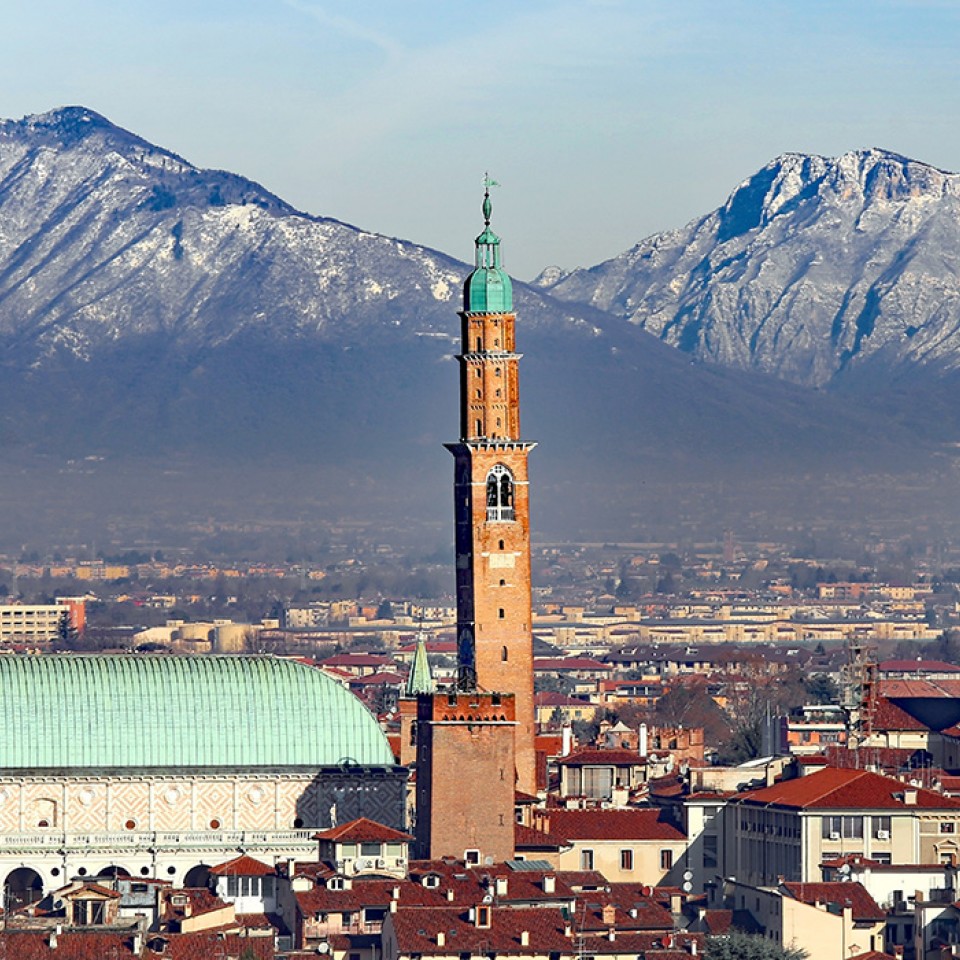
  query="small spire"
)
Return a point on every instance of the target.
[{"x": 420, "y": 680}]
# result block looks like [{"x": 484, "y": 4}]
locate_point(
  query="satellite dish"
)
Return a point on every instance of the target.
[
  {"x": 687, "y": 874},
  {"x": 323, "y": 947},
  {"x": 844, "y": 870},
  {"x": 687, "y": 886},
  {"x": 488, "y": 898}
]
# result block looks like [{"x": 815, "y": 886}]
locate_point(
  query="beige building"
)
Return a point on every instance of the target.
[
  {"x": 637, "y": 845},
  {"x": 829, "y": 921},
  {"x": 787, "y": 830},
  {"x": 36, "y": 623}
]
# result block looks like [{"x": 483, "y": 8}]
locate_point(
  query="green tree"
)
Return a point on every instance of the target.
[
  {"x": 821, "y": 688},
  {"x": 67, "y": 635},
  {"x": 747, "y": 946}
]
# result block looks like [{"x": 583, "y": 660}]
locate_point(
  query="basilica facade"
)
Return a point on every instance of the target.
[{"x": 163, "y": 766}]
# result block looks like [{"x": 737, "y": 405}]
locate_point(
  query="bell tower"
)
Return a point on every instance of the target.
[{"x": 491, "y": 501}]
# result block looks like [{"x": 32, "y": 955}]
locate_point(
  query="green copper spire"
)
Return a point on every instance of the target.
[
  {"x": 419, "y": 679},
  {"x": 488, "y": 288}
]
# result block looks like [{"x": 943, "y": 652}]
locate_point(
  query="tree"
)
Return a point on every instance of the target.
[
  {"x": 821, "y": 688},
  {"x": 749, "y": 946},
  {"x": 585, "y": 731},
  {"x": 67, "y": 634}
]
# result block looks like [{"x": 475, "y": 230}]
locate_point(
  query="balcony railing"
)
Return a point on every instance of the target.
[{"x": 184, "y": 839}]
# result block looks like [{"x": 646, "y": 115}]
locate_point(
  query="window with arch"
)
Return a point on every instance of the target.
[
  {"x": 500, "y": 494},
  {"x": 504, "y": 654}
]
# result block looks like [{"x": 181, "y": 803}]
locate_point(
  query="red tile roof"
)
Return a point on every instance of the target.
[
  {"x": 835, "y": 789},
  {"x": 243, "y": 866},
  {"x": 905, "y": 689},
  {"x": 527, "y": 838},
  {"x": 207, "y": 944},
  {"x": 550, "y": 698},
  {"x": 718, "y": 921},
  {"x": 70, "y": 946},
  {"x": 635, "y": 824},
  {"x": 592, "y": 757},
  {"x": 417, "y": 930},
  {"x": 917, "y": 666},
  {"x": 853, "y": 895},
  {"x": 888, "y": 715},
  {"x": 362, "y": 829}
]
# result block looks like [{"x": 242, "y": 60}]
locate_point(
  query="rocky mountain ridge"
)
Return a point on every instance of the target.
[{"x": 815, "y": 269}]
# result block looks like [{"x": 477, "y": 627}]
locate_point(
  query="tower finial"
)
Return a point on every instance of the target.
[{"x": 487, "y": 205}]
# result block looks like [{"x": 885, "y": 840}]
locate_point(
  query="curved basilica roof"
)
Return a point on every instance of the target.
[{"x": 73, "y": 712}]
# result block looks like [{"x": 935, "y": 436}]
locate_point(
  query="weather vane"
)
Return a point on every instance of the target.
[{"x": 487, "y": 205}]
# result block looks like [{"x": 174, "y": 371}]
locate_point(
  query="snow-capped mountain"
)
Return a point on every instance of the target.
[
  {"x": 104, "y": 237},
  {"x": 813, "y": 268},
  {"x": 150, "y": 309}
]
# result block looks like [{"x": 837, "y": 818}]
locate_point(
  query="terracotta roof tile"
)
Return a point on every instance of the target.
[
  {"x": 69, "y": 946},
  {"x": 835, "y": 789},
  {"x": 362, "y": 829},
  {"x": 528, "y": 838},
  {"x": 591, "y": 757},
  {"x": 243, "y": 866},
  {"x": 853, "y": 895},
  {"x": 417, "y": 930},
  {"x": 888, "y": 715}
]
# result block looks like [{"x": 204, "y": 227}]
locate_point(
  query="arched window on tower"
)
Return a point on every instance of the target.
[{"x": 500, "y": 494}]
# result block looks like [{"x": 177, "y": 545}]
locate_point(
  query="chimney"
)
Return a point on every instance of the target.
[
  {"x": 396, "y": 893},
  {"x": 500, "y": 885},
  {"x": 441, "y": 939},
  {"x": 393, "y": 906},
  {"x": 549, "y": 883},
  {"x": 524, "y": 938},
  {"x": 642, "y": 740},
  {"x": 52, "y": 938},
  {"x": 450, "y": 894},
  {"x": 693, "y": 948},
  {"x": 566, "y": 740},
  {"x": 609, "y": 914},
  {"x": 910, "y": 797}
]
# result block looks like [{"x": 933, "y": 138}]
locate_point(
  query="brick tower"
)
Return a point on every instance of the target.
[{"x": 491, "y": 496}]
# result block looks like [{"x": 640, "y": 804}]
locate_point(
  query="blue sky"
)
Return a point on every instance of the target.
[{"x": 604, "y": 120}]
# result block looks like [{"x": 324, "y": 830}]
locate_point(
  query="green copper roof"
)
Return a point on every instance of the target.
[
  {"x": 488, "y": 288},
  {"x": 164, "y": 711},
  {"x": 420, "y": 679}
]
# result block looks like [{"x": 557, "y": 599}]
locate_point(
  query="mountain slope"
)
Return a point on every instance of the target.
[
  {"x": 177, "y": 318},
  {"x": 813, "y": 269}
]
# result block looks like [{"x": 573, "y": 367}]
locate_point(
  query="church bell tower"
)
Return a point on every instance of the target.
[{"x": 491, "y": 495}]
